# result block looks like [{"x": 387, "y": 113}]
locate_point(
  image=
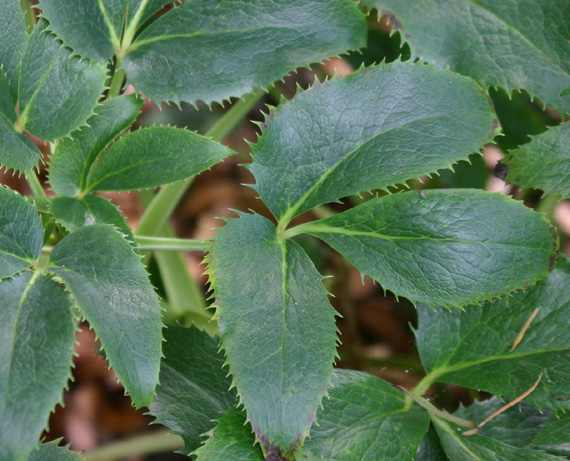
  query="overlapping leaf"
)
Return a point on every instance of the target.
[
  {"x": 153, "y": 157},
  {"x": 555, "y": 431},
  {"x": 111, "y": 287},
  {"x": 73, "y": 158},
  {"x": 232, "y": 438},
  {"x": 93, "y": 28},
  {"x": 52, "y": 452},
  {"x": 74, "y": 213},
  {"x": 473, "y": 347},
  {"x": 12, "y": 41},
  {"x": 497, "y": 42},
  {"x": 449, "y": 247},
  {"x": 277, "y": 328},
  {"x": 37, "y": 334},
  {"x": 366, "y": 419},
  {"x": 544, "y": 163},
  {"x": 194, "y": 387},
  {"x": 431, "y": 449},
  {"x": 21, "y": 233},
  {"x": 376, "y": 128}
]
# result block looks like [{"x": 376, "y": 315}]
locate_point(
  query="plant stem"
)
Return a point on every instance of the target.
[
  {"x": 35, "y": 184},
  {"x": 167, "y": 199},
  {"x": 149, "y": 243},
  {"x": 29, "y": 15},
  {"x": 159, "y": 441},
  {"x": 116, "y": 84}
]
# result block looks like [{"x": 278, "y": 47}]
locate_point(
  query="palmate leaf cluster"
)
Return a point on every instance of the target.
[{"x": 475, "y": 264}]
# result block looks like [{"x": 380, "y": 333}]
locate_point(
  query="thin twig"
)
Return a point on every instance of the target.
[
  {"x": 520, "y": 336},
  {"x": 504, "y": 408}
]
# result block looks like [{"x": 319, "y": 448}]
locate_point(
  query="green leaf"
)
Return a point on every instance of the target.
[
  {"x": 494, "y": 41},
  {"x": 382, "y": 126},
  {"x": 277, "y": 328},
  {"x": 12, "y": 40},
  {"x": 152, "y": 157},
  {"x": 17, "y": 151},
  {"x": 111, "y": 287},
  {"x": 555, "y": 431},
  {"x": 93, "y": 28},
  {"x": 431, "y": 449},
  {"x": 516, "y": 427},
  {"x": 448, "y": 247},
  {"x": 480, "y": 448},
  {"x": 37, "y": 331},
  {"x": 21, "y": 233},
  {"x": 232, "y": 438},
  {"x": 56, "y": 92},
  {"x": 210, "y": 52},
  {"x": 472, "y": 348},
  {"x": 544, "y": 163},
  {"x": 74, "y": 157},
  {"x": 75, "y": 213},
  {"x": 52, "y": 452},
  {"x": 194, "y": 387},
  {"x": 365, "y": 418}
]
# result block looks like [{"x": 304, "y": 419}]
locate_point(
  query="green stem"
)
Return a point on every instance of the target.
[
  {"x": 157, "y": 442},
  {"x": 167, "y": 199},
  {"x": 116, "y": 84},
  {"x": 147, "y": 243},
  {"x": 29, "y": 15},
  {"x": 547, "y": 205},
  {"x": 35, "y": 184}
]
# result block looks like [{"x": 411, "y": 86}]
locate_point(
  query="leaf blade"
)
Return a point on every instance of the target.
[
  {"x": 111, "y": 287},
  {"x": 491, "y": 41},
  {"x": 273, "y": 284},
  {"x": 446, "y": 248},
  {"x": 35, "y": 360},
  {"x": 412, "y": 120}
]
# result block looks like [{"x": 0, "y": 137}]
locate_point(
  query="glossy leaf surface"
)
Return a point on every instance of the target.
[
  {"x": 472, "y": 348},
  {"x": 376, "y": 128},
  {"x": 365, "y": 418},
  {"x": 544, "y": 163},
  {"x": 448, "y": 247},
  {"x": 152, "y": 157},
  {"x": 110, "y": 286},
  {"x": 37, "y": 332},
  {"x": 211, "y": 51},
  {"x": 56, "y": 91},
  {"x": 21, "y": 233},
  {"x": 74, "y": 157},
  {"x": 74, "y": 213},
  {"x": 194, "y": 386},
  {"x": 232, "y": 438},
  {"x": 497, "y": 42},
  {"x": 277, "y": 328}
]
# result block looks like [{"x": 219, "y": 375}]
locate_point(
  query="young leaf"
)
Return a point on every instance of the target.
[
  {"x": 277, "y": 328},
  {"x": 17, "y": 151},
  {"x": 52, "y": 452},
  {"x": 232, "y": 438},
  {"x": 494, "y": 41},
  {"x": 473, "y": 348},
  {"x": 73, "y": 158},
  {"x": 198, "y": 51},
  {"x": 451, "y": 247},
  {"x": 93, "y": 28},
  {"x": 544, "y": 163},
  {"x": 111, "y": 287},
  {"x": 365, "y": 418},
  {"x": 481, "y": 448},
  {"x": 56, "y": 92},
  {"x": 376, "y": 128},
  {"x": 37, "y": 331},
  {"x": 12, "y": 40},
  {"x": 21, "y": 233},
  {"x": 75, "y": 213},
  {"x": 194, "y": 387},
  {"x": 152, "y": 157}
]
